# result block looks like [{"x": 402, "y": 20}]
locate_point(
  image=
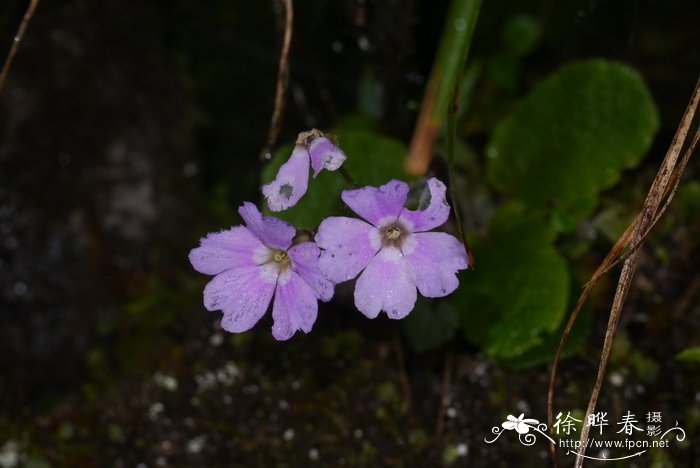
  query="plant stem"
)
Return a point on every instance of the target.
[{"x": 449, "y": 64}]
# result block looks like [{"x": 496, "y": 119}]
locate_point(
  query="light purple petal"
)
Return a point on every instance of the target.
[
  {"x": 291, "y": 182},
  {"x": 243, "y": 294},
  {"x": 325, "y": 155},
  {"x": 305, "y": 258},
  {"x": 377, "y": 204},
  {"x": 436, "y": 210},
  {"x": 272, "y": 231},
  {"x": 433, "y": 262},
  {"x": 386, "y": 285},
  {"x": 347, "y": 247},
  {"x": 234, "y": 248},
  {"x": 295, "y": 307}
]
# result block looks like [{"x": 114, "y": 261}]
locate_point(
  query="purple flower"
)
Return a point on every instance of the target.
[
  {"x": 252, "y": 263},
  {"x": 392, "y": 248},
  {"x": 293, "y": 176}
]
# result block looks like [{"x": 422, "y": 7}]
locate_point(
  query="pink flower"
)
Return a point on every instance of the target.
[
  {"x": 293, "y": 176},
  {"x": 391, "y": 248},
  {"x": 255, "y": 262}
]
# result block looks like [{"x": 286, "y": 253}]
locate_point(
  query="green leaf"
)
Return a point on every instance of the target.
[
  {"x": 519, "y": 291},
  {"x": 372, "y": 160},
  {"x": 430, "y": 325},
  {"x": 572, "y": 136},
  {"x": 544, "y": 352},
  {"x": 689, "y": 354}
]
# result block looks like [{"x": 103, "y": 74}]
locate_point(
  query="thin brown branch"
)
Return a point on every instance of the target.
[
  {"x": 31, "y": 8},
  {"x": 282, "y": 82},
  {"x": 663, "y": 186},
  {"x": 675, "y": 180}
]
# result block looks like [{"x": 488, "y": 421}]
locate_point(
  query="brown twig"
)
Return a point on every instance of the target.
[
  {"x": 663, "y": 188},
  {"x": 18, "y": 38},
  {"x": 282, "y": 82}
]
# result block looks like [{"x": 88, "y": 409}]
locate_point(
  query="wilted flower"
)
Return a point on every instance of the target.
[
  {"x": 254, "y": 262},
  {"x": 392, "y": 248},
  {"x": 293, "y": 176}
]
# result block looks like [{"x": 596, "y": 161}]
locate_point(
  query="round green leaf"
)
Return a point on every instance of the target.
[
  {"x": 519, "y": 290},
  {"x": 572, "y": 136}
]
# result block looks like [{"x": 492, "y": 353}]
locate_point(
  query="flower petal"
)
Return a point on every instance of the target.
[
  {"x": 346, "y": 245},
  {"x": 272, "y": 231},
  {"x": 386, "y": 285},
  {"x": 436, "y": 210},
  {"x": 325, "y": 155},
  {"x": 377, "y": 203},
  {"x": 233, "y": 248},
  {"x": 291, "y": 182},
  {"x": 434, "y": 262},
  {"x": 508, "y": 425},
  {"x": 295, "y": 307},
  {"x": 305, "y": 263},
  {"x": 243, "y": 294},
  {"x": 522, "y": 428}
]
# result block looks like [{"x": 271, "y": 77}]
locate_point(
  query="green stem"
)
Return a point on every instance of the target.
[{"x": 449, "y": 64}]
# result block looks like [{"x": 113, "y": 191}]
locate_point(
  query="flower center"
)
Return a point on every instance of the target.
[
  {"x": 281, "y": 259},
  {"x": 392, "y": 234}
]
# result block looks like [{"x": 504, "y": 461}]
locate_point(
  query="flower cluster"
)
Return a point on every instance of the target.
[{"x": 390, "y": 248}]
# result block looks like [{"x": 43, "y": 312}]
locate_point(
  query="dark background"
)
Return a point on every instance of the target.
[{"x": 130, "y": 129}]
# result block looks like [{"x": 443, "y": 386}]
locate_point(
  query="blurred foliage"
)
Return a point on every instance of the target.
[
  {"x": 431, "y": 324},
  {"x": 520, "y": 288},
  {"x": 572, "y": 136},
  {"x": 690, "y": 355}
]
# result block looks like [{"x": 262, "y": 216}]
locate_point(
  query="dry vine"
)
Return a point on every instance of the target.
[
  {"x": 31, "y": 8},
  {"x": 662, "y": 189},
  {"x": 282, "y": 82}
]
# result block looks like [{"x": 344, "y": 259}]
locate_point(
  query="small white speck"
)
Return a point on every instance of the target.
[
  {"x": 523, "y": 407},
  {"x": 337, "y": 47},
  {"x": 196, "y": 445},
  {"x": 617, "y": 379},
  {"x": 216, "y": 339},
  {"x": 9, "y": 454},
  {"x": 165, "y": 381},
  {"x": 357, "y": 433},
  {"x": 313, "y": 454},
  {"x": 155, "y": 410},
  {"x": 288, "y": 435},
  {"x": 451, "y": 413},
  {"x": 189, "y": 169},
  {"x": 20, "y": 288},
  {"x": 462, "y": 450},
  {"x": 363, "y": 43}
]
